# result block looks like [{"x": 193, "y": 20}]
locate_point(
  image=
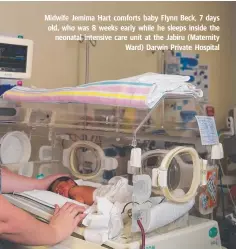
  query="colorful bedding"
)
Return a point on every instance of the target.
[{"x": 143, "y": 91}]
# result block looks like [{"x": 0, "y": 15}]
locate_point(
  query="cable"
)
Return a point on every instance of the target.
[
  {"x": 127, "y": 205},
  {"x": 161, "y": 200},
  {"x": 99, "y": 158},
  {"x": 142, "y": 233},
  {"x": 134, "y": 203}
]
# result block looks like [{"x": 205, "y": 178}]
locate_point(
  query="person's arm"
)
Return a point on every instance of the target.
[
  {"x": 12, "y": 182},
  {"x": 20, "y": 227}
]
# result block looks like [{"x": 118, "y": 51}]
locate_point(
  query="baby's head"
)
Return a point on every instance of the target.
[{"x": 62, "y": 186}]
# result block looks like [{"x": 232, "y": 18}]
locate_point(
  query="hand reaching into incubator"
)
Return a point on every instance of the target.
[
  {"x": 46, "y": 182},
  {"x": 12, "y": 182},
  {"x": 65, "y": 220}
]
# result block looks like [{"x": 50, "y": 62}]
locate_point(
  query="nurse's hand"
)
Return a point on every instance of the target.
[
  {"x": 43, "y": 184},
  {"x": 65, "y": 220}
]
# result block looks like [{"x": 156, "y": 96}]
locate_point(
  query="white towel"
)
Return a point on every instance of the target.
[
  {"x": 106, "y": 224},
  {"x": 117, "y": 190},
  {"x": 81, "y": 182},
  {"x": 48, "y": 198},
  {"x": 165, "y": 84}
]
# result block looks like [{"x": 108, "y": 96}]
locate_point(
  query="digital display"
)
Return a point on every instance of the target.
[{"x": 13, "y": 58}]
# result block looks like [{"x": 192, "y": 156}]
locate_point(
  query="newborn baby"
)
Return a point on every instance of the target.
[{"x": 116, "y": 190}]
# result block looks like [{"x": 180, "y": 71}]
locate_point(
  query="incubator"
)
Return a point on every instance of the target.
[{"x": 105, "y": 135}]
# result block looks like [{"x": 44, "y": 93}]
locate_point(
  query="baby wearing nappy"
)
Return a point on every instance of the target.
[{"x": 117, "y": 190}]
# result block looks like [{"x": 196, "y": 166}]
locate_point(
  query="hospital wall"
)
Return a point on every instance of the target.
[
  {"x": 233, "y": 56},
  {"x": 62, "y": 63}
]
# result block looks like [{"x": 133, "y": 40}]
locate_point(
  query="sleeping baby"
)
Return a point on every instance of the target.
[{"x": 117, "y": 190}]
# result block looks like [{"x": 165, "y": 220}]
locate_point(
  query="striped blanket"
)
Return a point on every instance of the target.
[{"x": 143, "y": 91}]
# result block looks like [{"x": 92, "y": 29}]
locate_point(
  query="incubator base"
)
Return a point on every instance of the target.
[
  {"x": 199, "y": 234},
  {"x": 188, "y": 233}
]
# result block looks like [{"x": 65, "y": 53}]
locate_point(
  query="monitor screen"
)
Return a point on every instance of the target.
[{"x": 13, "y": 58}]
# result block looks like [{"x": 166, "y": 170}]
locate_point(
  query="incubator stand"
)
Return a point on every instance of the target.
[
  {"x": 190, "y": 238},
  {"x": 186, "y": 233},
  {"x": 128, "y": 123}
]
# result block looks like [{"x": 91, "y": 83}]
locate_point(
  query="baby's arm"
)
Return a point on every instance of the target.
[
  {"x": 83, "y": 194},
  {"x": 78, "y": 198}
]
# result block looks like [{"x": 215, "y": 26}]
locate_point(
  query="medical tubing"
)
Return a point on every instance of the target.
[
  {"x": 100, "y": 157},
  {"x": 196, "y": 173},
  {"x": 142, "y": 233}
]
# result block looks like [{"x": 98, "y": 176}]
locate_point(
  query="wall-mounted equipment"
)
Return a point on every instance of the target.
[{"x": 15, "y": 58}]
